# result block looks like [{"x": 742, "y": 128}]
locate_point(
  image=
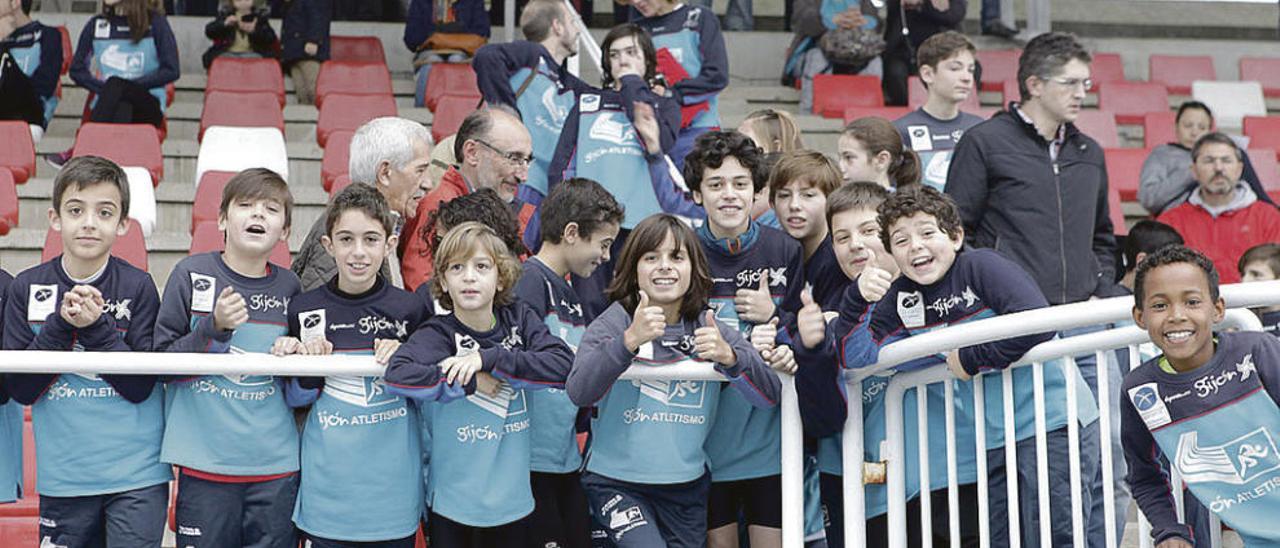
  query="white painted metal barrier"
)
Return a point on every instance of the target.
[
  {"x": 160, "y": 363},
  {"x": 1052, "y": 319}
]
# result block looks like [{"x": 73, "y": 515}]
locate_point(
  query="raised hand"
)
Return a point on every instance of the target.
[
  {"x": 710, "y": 345},
  {"x": 810, "y": 321},
  {"x": 765, "y": 335},
  {"x": 646, "y": 122},
  {"x": 383, "y": 349},
  {"x": 874, "y": 281},
  {"x": 230, "y": 312},
  {"x": 755, "y": 305},
  {"x": 82, "y": 305},
  {"x": 648, "y": 322},
  {"x": 461, "y": 368}
]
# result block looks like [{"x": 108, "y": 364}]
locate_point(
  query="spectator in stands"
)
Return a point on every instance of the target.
[
  {"x": 1167, "y": 179},
  {"x": 392, "y": 155},
  {"x": 126, "y": 56},
  {"x": 832, "y": 37},
  {"x": 494, "y": 151},
  {"x": 530, "y": 77},
  {"x": 776, "y": 133},
  {"x": 870, "y": 149},
  {"x": 991, "y": 23},
  {"x": 923, "y": 18},
  {"x": 1259, "y": 264},
  {"x": 305, "y": 44},
  {"x": 946, "y": 66},
  {"x": 1143, "y": 239},
  {"x": 240, "y": 29},
  {"x": 29, "y": 80},
  {"x": 693, "y": 61},
  {"x": 450, "y": 35},
  {"x": 1223, "y": 218}
]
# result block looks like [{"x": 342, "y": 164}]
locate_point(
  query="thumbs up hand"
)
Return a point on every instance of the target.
[
  {"x": 763, "y": 336},
  {"x": 648, "y": 322},
  {"x": 709, "y": 344},
  {"x": 755, "y": 305},
  {"x": 810, "y": 321},
  {"x": 874, "y": 281}
]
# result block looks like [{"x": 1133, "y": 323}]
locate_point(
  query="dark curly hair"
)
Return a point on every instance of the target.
[
  {"x": 483, "y": 206},
  {"x": 1173, "y": 254},
  {"x": 710, "y": 150},
  {"x": 918, "y": 199}
]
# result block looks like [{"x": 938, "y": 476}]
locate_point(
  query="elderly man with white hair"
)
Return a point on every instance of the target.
[{"x": 392, "y": 154}]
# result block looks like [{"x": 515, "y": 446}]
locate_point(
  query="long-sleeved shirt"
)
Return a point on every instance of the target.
[
  {"x": 464, "y": 16},
  {"x": 106, "y": 49},
  {"x": 1218, "y": 426},
  {"x": 819, "y": 384},
  {"x": 923, "y": 22},
  {"x": 262, "y": 40},
  {"x": 37, "y": 49},
  {"x": 480, "y": 443},
  {"x": 305, "y": 22},
  {"x": 691, "y": 34},
  {"x": 653, "y": 432},
  {"x": 94, "y": 434}
]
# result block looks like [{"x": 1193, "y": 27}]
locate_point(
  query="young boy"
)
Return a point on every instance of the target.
[
  {"x": 580, "y": 220},
  {"x": 1209, "y": 404},
  {"x": 799, "y": 185},
  {"x": 755, "y": 274},
  {"x": 946, "y": 63},
  {"x": 97, "y": 438},
  {"x": 233, "y": 437},
  {"x": 941, "y": 286},
  {"x": 1262, "y": 263},
  {"x": 344, "y": 496},
  {"x": 1143, "y": 239}
]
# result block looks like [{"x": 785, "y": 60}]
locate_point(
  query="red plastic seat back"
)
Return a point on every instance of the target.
[
  {"x": 449, "y": 114},
  {"x": 67, "y": 49},
  {"x": 207, "y": 237},
  {"x": 352, "y": 78},
  {"x": 337, "y": 154},
  {"x": 125, "y": 144},
  {"x": 241, "y": 109},
  {"x": 131, "y": 247},
  {"x": 1106, "y": 67},
  {"x": 833, "y": 93},
  {"x": 1177, "y": 72},
  {"x": 1158, "y": 128},
  {"x": 209, "y": 197},
  {"x": 888, "y": 113},
  {"x": 1267, "y": 168},
  {"x": 449, "y": 79},
  {"x": 998, "y": 66},
  {"x": 918, "y": 94},
  {"x": 1101, "y": 125},
  {"x": 18, "y": 154},
  {"x": 1124, "y": 170},
  {"x": 339, "y": 183},
  {"x": 1263, "y": 131},
  {"x": 348, "y": 112},
  {"x": 8, "y": 202},
  {"x": 242, "y": 75},
  {"x": 1130, "y": 101},
  {"x": 364, "y": 49},
  {"x": 1264, "y": 70}
]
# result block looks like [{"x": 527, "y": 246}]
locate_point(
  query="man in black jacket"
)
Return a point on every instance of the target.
[{"x": 1032, "y": 186}]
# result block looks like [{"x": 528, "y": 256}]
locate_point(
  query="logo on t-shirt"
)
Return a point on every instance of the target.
[
  {"x": 203, "y": 292},
  {"x": 920, "y": 138},
  {"x": 616, "y": 131},
  {"x": 118, "y": 309},
  {"x": 911, "y": 309},
  {"x": 686, "y": 394},
  {"x": 311, "y": 324},
  {"x": 42, "y": 300},
  {"x": 1146, "y": 399},
  {"x": 1236, "y": 462}
]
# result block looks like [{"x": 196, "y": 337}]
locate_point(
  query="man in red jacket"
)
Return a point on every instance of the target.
[{"x": 1223, "y": 218}]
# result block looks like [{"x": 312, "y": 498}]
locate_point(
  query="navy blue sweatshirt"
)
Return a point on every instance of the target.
[
  {"x": 819, "y": 383},
  {"x": 5, "y": 278},
  {"x": 681, "y": 30},
  {"x": 32, "y": 322},
  {"x": 495, "y": 64},
  {"x": 470, "y": 18},
  {"x": 106, "y": 49},
  {"x": 37, "y": 48},
  {"x": 1218, "y": 425}
]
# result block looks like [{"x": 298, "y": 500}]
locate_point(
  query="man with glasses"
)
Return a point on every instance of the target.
[
  {"x": 494, "y": 151},
  {"x": 1032, "y": 186}
]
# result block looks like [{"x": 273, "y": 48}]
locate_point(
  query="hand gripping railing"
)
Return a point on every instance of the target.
[
  {"x": 161, "y": 363},
  {"x": 1051, "y": 319}
]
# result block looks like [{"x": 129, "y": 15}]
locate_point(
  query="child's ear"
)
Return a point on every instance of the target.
[
  {"x": 222, "y": 222},
  {"x": 1219, "y": 310},
  {"x": 122, "y": 227},
  {"x": 392, "y": 242},
  {"x": 327, "y": 243},
  {"x": 697, "y": 197},
  {"x": 570, "y": 234},
  {"x": 284, "y": 235},
  {"x": 55, "y": 220},
  {"x": 1137, "y": 316},
  {"x": 957, "y": 239}
]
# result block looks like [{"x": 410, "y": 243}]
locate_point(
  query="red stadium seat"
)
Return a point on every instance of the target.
[
  {"x": 343, "y": 181},
  {"x": 998, "y": 66},
  {"x": 363, "y": 49},
  {"x": 18, "y": 154},
  {"x": 832, "y": 93},
  {"x": 1106, "y": 67},
  {"x": 125, "y": 144},
  {"x": 1101, "y": 125},
  {"x": 1129, "y": 101},
  {"x": 242, "y": 75},
  {"x": 8, "y": 202},
  {"x": 349, "y": 112},
  {"x": 1264, "y": 70},
  {"x": 1267, "y": 168},
  {"x": 1158, "y": 128},
  {"x": 207, "y": 237},
  {"x": 130, "y": 247},
  {"x": 240, "y": 109},
  {"x": 888, "y": 113},
  {"x": 1124, "y": 170},
  {"x": 208, "y": 197},
  {"x": 917, "y": 94},
  {"x": 353, "y": 79},
  {"x": 67, "y": 49},
  {"x": 1263, "y": 131},
  {"x": 449, "y": 79},
  {"x": 449, "y": 114},
  {"x": 1177, "y": 72},
  {"x": 337, "y": 152},
  {"x": 1115, "y": 209}
]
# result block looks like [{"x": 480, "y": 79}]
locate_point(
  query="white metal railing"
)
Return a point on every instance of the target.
[
  {"x": 1052, "y": 319},
  {"x": 161, "y": 363}
]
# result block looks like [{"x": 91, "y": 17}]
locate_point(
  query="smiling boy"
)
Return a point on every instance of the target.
[{"x": 1209, "y": 404}]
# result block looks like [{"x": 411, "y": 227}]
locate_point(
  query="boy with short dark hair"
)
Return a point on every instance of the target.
[
  {"x": 344, "y": 497},
  {"x": 755, "y": 274},
  {"x": 1209, "y": 404},
  {"x": 580, "y": 220},
  {"x": 947, "y": 70},
  {"x": 1144, "y": 238},
  {"x": 238, "y": 478},
  {"x": 1262, "y": 263},
  {"x": 97, "y": 438}
]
